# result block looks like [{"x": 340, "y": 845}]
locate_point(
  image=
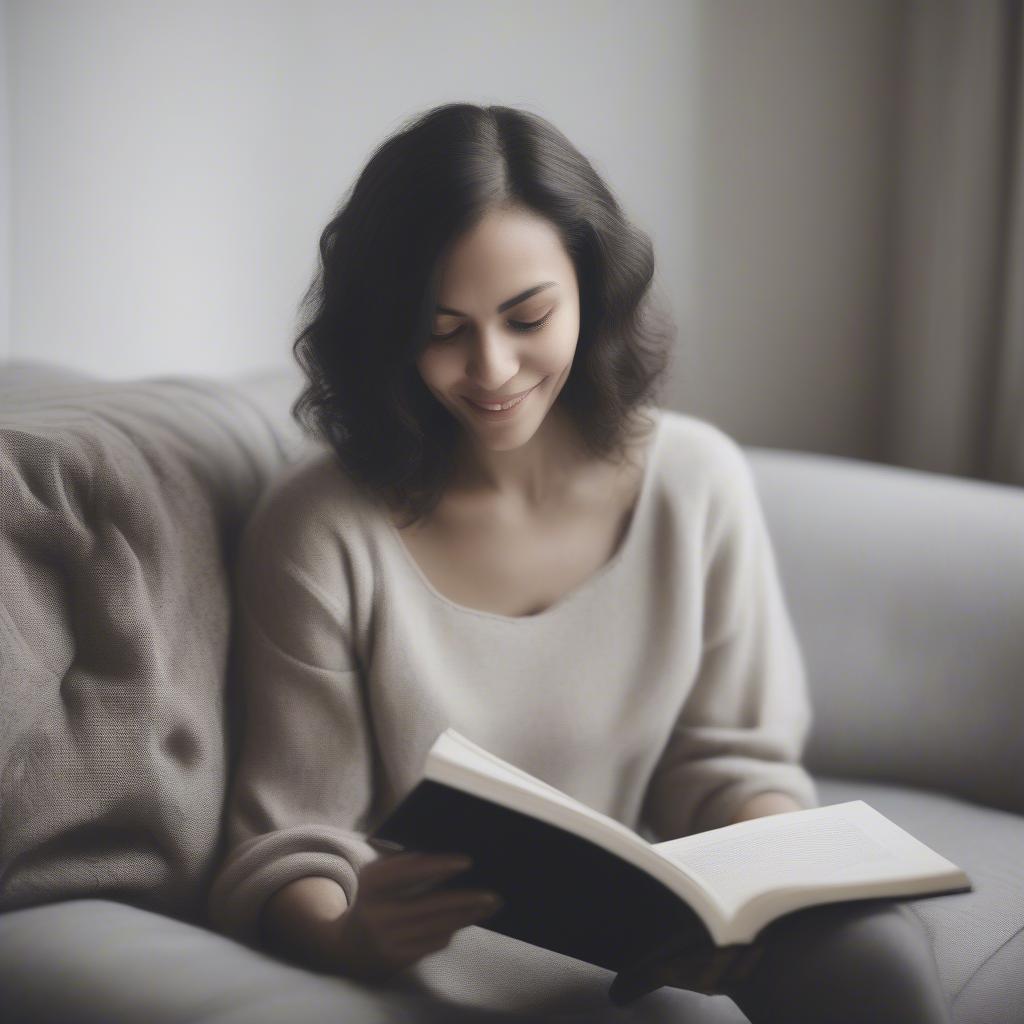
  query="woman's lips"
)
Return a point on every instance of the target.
[
  {"x": 505, "y": 407},
  {"x": 481, "y": 400}
]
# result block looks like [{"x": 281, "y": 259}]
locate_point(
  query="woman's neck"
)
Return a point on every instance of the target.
[{"x": 530, "y": 476}]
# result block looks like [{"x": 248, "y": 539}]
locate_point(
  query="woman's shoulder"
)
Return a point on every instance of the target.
[
  {"x": 697, "y": 455},
  {"x": 309, "y": 505}
]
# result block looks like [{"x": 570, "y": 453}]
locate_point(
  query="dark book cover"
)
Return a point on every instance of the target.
[{"x": 561, "y": 891}]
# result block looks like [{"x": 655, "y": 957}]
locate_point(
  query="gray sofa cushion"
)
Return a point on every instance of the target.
[
  {"x": 119, "y": 502},
  {"x": 94, "y": 961},
  {"x": 907, "y": 593}
]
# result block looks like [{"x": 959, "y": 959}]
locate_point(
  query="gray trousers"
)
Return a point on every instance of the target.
[{"x": 868, "y": 961}]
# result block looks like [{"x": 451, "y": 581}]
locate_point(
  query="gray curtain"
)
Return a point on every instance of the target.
[{"x": 955, "y": 400}]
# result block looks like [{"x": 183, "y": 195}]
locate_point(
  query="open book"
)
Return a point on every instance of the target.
[{"x": 581, "y": 883}]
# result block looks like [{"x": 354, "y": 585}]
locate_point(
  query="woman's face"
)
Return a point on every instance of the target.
[{"x": 509, "y": 272}]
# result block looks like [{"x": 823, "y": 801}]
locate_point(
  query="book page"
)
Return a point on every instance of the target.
[
  {"x": 454, "y": 748},
  {"x": 476, "y": 754},
  {"x": 842, "y": 846}
]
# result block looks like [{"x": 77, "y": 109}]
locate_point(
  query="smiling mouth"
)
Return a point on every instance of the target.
[{"x": 510, "y": 403}]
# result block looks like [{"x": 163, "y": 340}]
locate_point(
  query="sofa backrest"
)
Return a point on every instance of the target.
[
  {"x": 907, "y": 594},
  {"x": 119, "y": 505}
]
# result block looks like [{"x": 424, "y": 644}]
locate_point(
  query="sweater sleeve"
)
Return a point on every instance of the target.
[
  {"x": 742, "y": 728},
  {"x": 302, "y": 780}
]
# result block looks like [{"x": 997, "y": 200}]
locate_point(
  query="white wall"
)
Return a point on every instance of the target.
[
  {"x": 175, "y": 162},
  {"x": 794, "y": 176}
]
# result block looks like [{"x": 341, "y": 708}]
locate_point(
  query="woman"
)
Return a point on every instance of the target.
[{"x": 504, "y": 534}]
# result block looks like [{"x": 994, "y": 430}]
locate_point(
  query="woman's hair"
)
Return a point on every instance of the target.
[{"x": 369, "y": 310}]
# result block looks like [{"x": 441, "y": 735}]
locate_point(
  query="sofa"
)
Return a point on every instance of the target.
[{"x": 120, "y": 502}]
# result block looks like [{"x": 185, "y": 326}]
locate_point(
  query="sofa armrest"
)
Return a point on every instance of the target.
[{"x": 907, "y": 593}]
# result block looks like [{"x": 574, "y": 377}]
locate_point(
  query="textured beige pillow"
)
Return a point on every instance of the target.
[{"x": 119, "y": 506}]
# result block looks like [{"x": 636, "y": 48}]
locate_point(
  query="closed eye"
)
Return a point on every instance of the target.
[{"x": 516, "y": 325}]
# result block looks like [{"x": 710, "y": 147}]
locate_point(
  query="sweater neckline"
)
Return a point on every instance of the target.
[{"x": 568, "y": 598}]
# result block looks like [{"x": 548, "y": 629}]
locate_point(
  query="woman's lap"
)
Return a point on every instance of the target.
[
  {"x": 838, "y": 964},
  {"x": 845, "y": 964},
  {"x": 489, "y": 971}
]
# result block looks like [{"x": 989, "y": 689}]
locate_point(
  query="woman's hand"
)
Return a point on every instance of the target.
[
  {"x": 396, "y": 919},
  {"x": 710, "y": 971}
]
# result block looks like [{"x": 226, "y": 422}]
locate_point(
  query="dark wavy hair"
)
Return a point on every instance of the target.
[{"x": 369, "y": 310}]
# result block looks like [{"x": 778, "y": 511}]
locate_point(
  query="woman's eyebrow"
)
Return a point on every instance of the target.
[{"x": 508, "y": 303}]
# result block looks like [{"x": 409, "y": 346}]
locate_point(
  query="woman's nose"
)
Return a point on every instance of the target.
[{"x": 493, "y": 359}]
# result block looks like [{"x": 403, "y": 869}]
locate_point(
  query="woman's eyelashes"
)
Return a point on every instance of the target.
[{"x": 516, "y": 325}]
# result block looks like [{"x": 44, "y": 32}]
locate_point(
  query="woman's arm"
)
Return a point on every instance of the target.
[
  {"x": 302, "y": 781},
  {"x": 300, "y": 921},
  {"x": 735, "y": 747}
]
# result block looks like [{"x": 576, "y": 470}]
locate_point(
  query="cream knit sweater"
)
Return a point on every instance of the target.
[{"x": 664, "y": 691}]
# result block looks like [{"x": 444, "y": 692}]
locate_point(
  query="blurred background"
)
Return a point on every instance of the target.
[{"x": 833, "y": 189}]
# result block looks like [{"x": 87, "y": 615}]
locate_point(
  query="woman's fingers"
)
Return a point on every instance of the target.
[
  {"x": 408, "y": 869},
  {"x": 433, "y": 903},
  {"x": 478, "y": 907},
  {"x": 415, "y": 949},
  {"x": 437, "y": 931},
  {"x": 632, "y": 984},
  {"x": 709, "y": 972}
]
